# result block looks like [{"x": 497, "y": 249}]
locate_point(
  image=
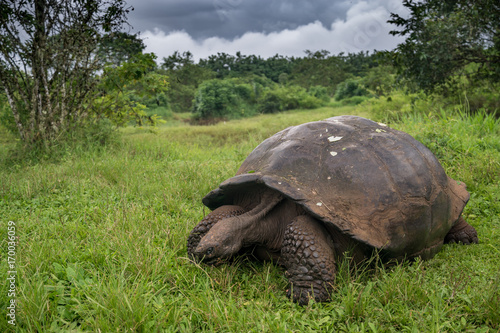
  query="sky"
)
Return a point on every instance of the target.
[{"x": 263, "y": 27}]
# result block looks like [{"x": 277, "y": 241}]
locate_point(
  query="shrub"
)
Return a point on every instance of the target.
[
  {"x": 350, "y": 88},
  {"x": 320, "y": 92},
  {"x": 223, "y": 99},
  {"x": 398, "y": 105},
  {"x": 380, "y": 80},
  {"x": 354, "y": 100},
  {"x": 287, "y": 98},
  {"x": 214, "y": 99}
]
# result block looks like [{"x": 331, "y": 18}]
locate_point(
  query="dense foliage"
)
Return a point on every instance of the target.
[
  {"x": 185, "y": 77},
  {"x": 350, "y": 88},
  {"x": 242, "y": 97},
  {"x": 255, "y": 84},
  {"x": 100, "y": 72},
  {"x": 48, "y": 64},
  {"x": 126, "y": 86},
  {"x": 118, "y": 47},
  {"x": 446, "y": 38},
  {"x": 216, "y": 99}
]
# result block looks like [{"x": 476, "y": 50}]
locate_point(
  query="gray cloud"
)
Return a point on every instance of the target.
[
  {"x": 232, "y": 18},
  {"x": 263, "y": 27}
]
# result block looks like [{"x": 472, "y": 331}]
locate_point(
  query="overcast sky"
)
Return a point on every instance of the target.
[{"x": 263, "y": 27}]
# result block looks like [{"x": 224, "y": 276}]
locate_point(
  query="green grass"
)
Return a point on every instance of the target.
[{"x": 102, "y": 239}]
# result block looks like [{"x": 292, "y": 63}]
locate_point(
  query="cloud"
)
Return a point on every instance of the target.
[
  {"x": 364, "y": 28},
  {"x": 232, "y": 18}
]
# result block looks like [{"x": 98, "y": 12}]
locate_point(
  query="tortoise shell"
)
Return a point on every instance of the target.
[{"x": 375, "y": 184}]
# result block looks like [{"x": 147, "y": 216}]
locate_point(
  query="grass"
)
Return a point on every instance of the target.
[{"x": 102, "y": 239}]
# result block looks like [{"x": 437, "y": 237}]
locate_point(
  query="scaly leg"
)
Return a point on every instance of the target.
[
  {"x": 308, "y": 256},
  {"x": 462, "y": 232}
]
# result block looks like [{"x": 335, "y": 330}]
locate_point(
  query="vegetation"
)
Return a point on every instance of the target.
[
  {"x": 102, "y": 236},
  {"x": 119, "y": 47},
  {"x": 350, "y": 88},
  {"x": 445, "y": 37},
  {"x": 48, "y": 63}
]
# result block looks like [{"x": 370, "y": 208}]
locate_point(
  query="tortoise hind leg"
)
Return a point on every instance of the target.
[
  {"x": 462, "y": 232},
  {"x": 308, "y": 256},
  {"x": 207, "y": 223}
]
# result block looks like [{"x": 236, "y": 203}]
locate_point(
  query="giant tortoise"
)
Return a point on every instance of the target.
[{"x": 312, "y": 193}]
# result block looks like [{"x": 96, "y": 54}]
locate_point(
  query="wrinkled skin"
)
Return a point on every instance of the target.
[{"x": 278, "y": 229}]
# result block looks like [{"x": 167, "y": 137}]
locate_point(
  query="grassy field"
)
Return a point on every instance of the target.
[{"x": 101, "y": 239}]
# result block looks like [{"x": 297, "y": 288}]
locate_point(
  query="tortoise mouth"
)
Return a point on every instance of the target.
[
  {"x": 216, "y": 261},
  {"x": 207, "y": 257}
]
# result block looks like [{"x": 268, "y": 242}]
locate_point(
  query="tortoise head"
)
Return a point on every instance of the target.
[
  {"x": 228, "y": 235},
  {"x": 219, "y": 244}
]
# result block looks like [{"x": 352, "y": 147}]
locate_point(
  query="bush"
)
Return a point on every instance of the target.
[
  {"x": 240, "y": 97},
  {"x": 392, "y": 108},
  {"x": 355, "y": 100},
  {"x": 380, "y": 80},
  {"x": 475, "y": 96},
  {"x": 222, "y": 99},
  {"x": 288, "y": 98},
  {"x": 350, "y": 88},
  {"x": 214, "y": 99},
  {"x": 320, "y": 93}
]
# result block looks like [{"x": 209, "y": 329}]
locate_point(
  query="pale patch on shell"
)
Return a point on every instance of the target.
[
  {"x": 333, "y": 153},
  {"x": 378, "y": 130},
  {"x": 382, "y": 124},
  {"x": 334, "y": 138}
]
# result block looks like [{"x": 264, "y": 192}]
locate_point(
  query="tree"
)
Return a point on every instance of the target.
[
  {"x": 118, "y": 47},
  {"x": 177, "y": 60},
  {"x": 185, "y": 77},
  {"x": 445, "y": 37},
  {"x": 350, "y": 88},
  {"x": 319, "y": 69},
  {"x": 122, "y": 85},
  {"x": 216, "y": 99},
  {"x": 48, "y": 62},
  {"x": 221, "y": 64}
]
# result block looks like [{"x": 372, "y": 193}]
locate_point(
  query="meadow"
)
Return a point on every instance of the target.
[{"x": 101, "y": 237}]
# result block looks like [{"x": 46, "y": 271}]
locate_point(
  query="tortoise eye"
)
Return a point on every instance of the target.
[{"x": 209, "y": 251}]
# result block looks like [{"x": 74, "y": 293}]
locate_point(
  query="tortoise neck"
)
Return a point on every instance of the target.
[
  {"x": 247, "y": 227},
  {"x": 268, "y": 200},
  {"x": 265, "y": 224}
]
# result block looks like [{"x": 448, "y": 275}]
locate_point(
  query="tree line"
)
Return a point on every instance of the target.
[{"x": 251, "y": 84}]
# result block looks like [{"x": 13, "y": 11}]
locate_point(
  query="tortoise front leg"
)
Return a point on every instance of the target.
[
  {"x": 207, "y": 223},
  {"x": 308, "y": 256}
]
